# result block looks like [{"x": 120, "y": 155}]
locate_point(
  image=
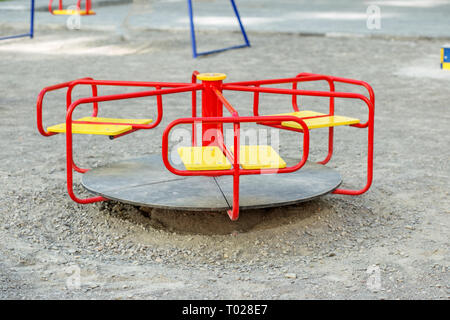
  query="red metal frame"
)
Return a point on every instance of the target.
[
  {"x": 254, "y": 86},
  {"x": 173, "y": 88},
  {"x": 60, "y": 6},
  {"x": 212, "y": 118}
]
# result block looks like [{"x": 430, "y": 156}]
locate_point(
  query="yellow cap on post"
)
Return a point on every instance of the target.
[{"x": 211, "y": 76}]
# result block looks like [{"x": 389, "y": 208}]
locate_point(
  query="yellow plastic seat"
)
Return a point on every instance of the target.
[
  {"x": 314, "y": 123},
  {"x": 259, "y": 157},
  {"x": 203, "y": 158},
  {"x": 72, "y": 12},
  {"x": 212, "y": 158},
  {"x": 101, "y": 129}
]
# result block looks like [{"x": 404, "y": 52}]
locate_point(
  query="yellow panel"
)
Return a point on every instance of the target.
[
  {"x": 72, "y": 12},
  {"x": 211, "y": 76},
  {"x": 203, "y": 158},
  {"x": 314, "y": 123},
  {"x": 446, "y": 65},
  {"x": 101, "y": 129},
  {"x": 132, "y": 121},
  {"x": 259, "y": 157}
]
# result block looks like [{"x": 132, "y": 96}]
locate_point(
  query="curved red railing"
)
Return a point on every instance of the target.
[
  {"x": 174, "y": 88},
  {"x": 331, "y": 112},
  {"x": 254, "y": 87},
  {"x": 305, "y": 77},
  {"x": 194, "y": 107},
  {"x": 236, "y": 171},
  {"x": 94, "y": 83}
]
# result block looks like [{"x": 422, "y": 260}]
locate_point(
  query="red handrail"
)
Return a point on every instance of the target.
[
  {"x": 368, "y": 101},
  {"x": 236, "y": 171},
  {"x": 69, "y": 121}
]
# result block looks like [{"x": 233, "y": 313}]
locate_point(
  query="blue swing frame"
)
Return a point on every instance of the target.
[
  {"x": 29, "y": 34},
  {"x": 195, "y": 53}
]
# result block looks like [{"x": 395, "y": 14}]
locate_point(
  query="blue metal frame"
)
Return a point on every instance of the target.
[
  {"x": 195, "y": 54},
  {"x": 31, "y": 33}
]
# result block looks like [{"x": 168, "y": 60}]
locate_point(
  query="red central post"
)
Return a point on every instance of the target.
[{"x": 211, "y": 107}]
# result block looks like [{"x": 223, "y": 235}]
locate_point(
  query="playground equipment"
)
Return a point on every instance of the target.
[
  {"x": 216, "y": 175},
  {"x": 195, "y": 53},
  {"x": 31, "y": 32},
  {"x": 62, "y": 11},
  {"x": 445, "y": 57}
]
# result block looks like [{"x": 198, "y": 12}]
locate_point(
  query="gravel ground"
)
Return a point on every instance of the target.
[{"x": 335, "y": 247}]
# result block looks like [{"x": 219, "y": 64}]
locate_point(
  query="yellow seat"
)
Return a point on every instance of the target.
[
  {"x": 212, "y": 158},
  {"x": 102, "y": 129},
  {"x": 203, "y": 158},
  {"x": 72, "y": 12},
  {"x": 259, "y": 157},
  {"x": 314, "y": 123}
]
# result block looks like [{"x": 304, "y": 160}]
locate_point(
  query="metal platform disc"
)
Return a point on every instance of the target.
[{"x": 147, "y": 182}]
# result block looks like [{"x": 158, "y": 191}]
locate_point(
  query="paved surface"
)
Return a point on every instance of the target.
[{"x": 400, "y": 17}]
